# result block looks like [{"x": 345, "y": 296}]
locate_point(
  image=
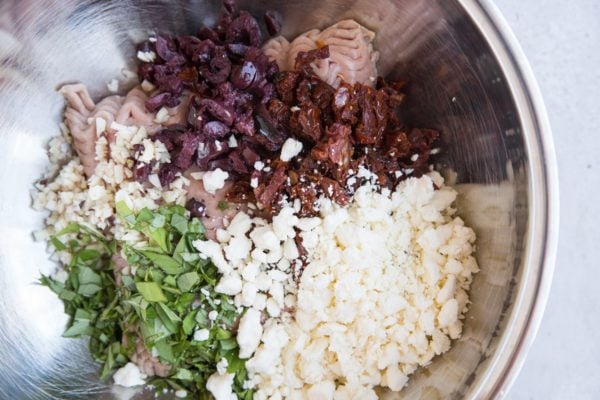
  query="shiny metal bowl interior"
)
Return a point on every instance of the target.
[{"x": 467, "y": 78}]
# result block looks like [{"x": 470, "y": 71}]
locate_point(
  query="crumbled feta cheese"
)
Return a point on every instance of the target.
[
  {"x": 378, "y": 296},
  {"x": 249, "y": 333},
  {"x": 232, "y": 142},
  {"x": 254, "y": 183},
  {"x": 260, "y": 302},
  {"x": 181, "y": 394},
  {"x": 223, "y": 236},
  {"x": 308, "y": 224},
  {"x": 220, "y": 386},
  {"x": 264, "y": 238},
  {"x": 249, "y": 293},
  {"x": 214, "y": 180},
  {"x": 284, "y": 222},
  {"x": 162, "y": 116},
  {"x": 213, "y": 315},
  {"x": 324, "y": 390},
  {"x": 154, "y": 181},
  {"x": 259, "y": 165},
  {"x": 238, "y": 248},
  {"x": 291, "y": 148},
  {"x": 100, "y": 125},
  {"x": 290, "y": 250},
  {"x": 222, "y": 366},
  {"x": 129, "y": 376},
  {"x": 229, "y": 284},
  {"x": 213, "y": 251},
  {"x": 146, "y": 56},
  {"x": 201, "y": 335},
  {"x": 240, "y": 224}
]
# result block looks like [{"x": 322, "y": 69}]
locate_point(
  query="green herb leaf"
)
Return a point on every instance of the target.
[
  {"x": 123, "y": 210},
  {"x": 170, "y": 280},
  {"x": 151, "y": 291},
  {"x": 67, "y": 295},
  {"x": 223, "y": 205},
  {"x": 187, "y": 281},
  {"x": 144, "y": 216},
  {"x": 77, "y": 329},
  {"x": 165, "y": 351},
  {"x": 140, "y": 305},
  {"x": 55, "y": 286},
  {"x": 71, "y": 228},
  {"x": 88, "y": 255},
  {"x": 88, "y": 276},
  {"x": 228, "y": 344},
  {"x": 222, "y": 334},
  {"x": 169, "y": 319},
  {"x": 202, "y": 318},
  {"x": 89, "y": 289},
  {"x": 158, "y": 221},
  {"x": 189, "y": 323},
  {"x": 164, "y": 262},
  {"x": 159, "y": 304},
  {"x": 180, "y": 223},
  {"x": 184, "y": 374},
  {"x": 160, "y": 237},
  {"x": 127, "y": 282},
  {"x": 58, "y": 245}
]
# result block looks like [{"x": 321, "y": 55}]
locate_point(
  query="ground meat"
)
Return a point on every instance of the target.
[
  {"x": 147, "y": 363},
  {"x": 352, "y": 57},
  {"x": 80, "y": 117}
]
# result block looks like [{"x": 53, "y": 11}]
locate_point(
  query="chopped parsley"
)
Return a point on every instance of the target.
[
  {"x": 165, "y": 298},
  {"x": 223, "y": 205}
]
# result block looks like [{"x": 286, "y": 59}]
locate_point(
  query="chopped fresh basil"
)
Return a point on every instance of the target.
[
  {"x": 151, "y": 291},
  {"x": 187, "y": 281},
  {"x": 165, "y": 298}
]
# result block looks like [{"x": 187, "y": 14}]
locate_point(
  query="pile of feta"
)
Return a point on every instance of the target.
[{"x": 383, "y": 292}]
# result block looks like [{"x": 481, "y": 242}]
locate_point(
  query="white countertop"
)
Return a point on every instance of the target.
[{"x": 562, "y": 42}]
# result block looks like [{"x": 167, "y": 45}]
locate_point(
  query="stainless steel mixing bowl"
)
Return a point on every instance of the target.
[{"x": 468, "y": 79}]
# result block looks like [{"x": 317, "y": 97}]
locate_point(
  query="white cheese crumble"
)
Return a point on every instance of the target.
[
  {"x": 129, "y": 376},
  {"x": 291, "y": 148},
  {"x": 214, "y": 180},
  {"x": 162, "y": 115},
  {"x": 380, "y": 296},
  {"x": 259, "y": 165},
  {"x": 213, "y": 315},
  {"x": 201, "y": 335},
  {"x": 229, "y": 284},
  {"x": 220, "y": 386},
  {"x": 222, "y": 366},
  {"x": 232, "y": 142},
  {"x": 146, "y": 56},
  {"x": 249, "y": 333}
]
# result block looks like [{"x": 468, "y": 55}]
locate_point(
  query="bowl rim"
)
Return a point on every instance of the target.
[{"x": 541, "y": 240}]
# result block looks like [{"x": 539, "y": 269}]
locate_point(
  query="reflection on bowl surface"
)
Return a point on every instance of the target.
[{"x": 464, "y": 81}]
